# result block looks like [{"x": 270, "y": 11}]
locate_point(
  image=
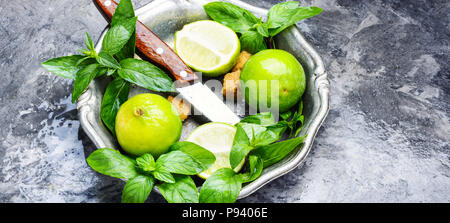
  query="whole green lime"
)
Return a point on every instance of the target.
[
  {"x": 147, "y": 123},
  {"x": 266, "y": 69}
]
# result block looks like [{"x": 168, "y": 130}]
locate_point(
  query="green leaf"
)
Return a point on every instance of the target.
[
  {"x": 285, "y": 14},
  {"x": 300, "y": 107},
  {"x": 241, "y": 147},
  {"x": 146, "y": 162},
  {"x": 286, "y": 115},
  {"x": 110, "y": 162},
  {"x": 183, "y": 190},
  {"x": 279, "y": 14},
  {"x": 255, "y": 167},
  {"x": 252, "y": 42},
  {"x": 235, "y": 17},
  {"x": 180, "y": 162},
  {"x": 83, "y": 79},
  {"x": 107, "y": 60},
  {"x": 277, "y": 129},
  {"x": 128, "y": 49},
  {"x": 137, "y": 189},
  {"x": 145, "y": 74},
  {"x": 163, "y": 175},
  {"x": 118, "y": 35},
  {"x": 263, "y": 118},
  {"x": 85, "y": 60},
  {"x": 301, "y": 119},
  {"x": 275, "y": 152},
  {"x": 101, "y": 71},
  {"x": 125, "y": 11},
  {"x": 115, "y": 95},
  {"x": 66, "y": 67},
  {"x": 262, "y": 29},
  {"x": 223, "y": 186},
  {"x": 110, "y": 71},
  {"x": 200, "y": 154},
  {"x": 262, "y": 134},
  {"x": 293, "y": 123},
  {"x": 89, "y": 42}
]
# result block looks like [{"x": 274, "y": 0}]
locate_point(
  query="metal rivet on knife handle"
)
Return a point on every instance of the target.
[{"x": 152, "y": 47}]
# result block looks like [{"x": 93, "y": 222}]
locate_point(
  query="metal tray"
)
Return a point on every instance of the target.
[{"x": 164, "y": 17}]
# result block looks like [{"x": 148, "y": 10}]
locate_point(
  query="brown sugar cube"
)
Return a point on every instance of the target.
[
  {"x": 231, "y": 80},
  {"x": 184, "y": 108},
  {"x": 243, "y": 57},
  {"x": 231, "y": 83}
]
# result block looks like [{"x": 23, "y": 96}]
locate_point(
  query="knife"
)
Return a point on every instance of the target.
[{"x": 159, "y": 53}]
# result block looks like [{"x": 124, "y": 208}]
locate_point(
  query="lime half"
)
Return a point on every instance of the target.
[
  {"x": 208, "y": 47},
  {"x": 218, "y": 138}
]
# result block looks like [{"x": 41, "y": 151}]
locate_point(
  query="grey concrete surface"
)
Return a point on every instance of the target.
[{"x": 386, "y": 138}]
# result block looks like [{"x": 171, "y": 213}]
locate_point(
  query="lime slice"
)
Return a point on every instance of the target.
[
  {"x": 218, "y": 138},
  {"x": 208, "y": 47}
]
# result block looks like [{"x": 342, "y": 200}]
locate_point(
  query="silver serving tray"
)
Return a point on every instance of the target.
[{"x": 164, "y": 17}]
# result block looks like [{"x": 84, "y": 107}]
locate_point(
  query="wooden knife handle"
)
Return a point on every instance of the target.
[{"x": 151, "y": 46}]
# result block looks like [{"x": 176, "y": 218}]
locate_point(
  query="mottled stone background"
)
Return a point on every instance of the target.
[{"x": 386, "y": 138}]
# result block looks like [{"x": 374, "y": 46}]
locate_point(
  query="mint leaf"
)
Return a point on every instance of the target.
[
  {"x": 200, "y": 154},
  {"x": 107, "y": 60},
  {"x": 128, "y": 49},
  {"x": 66, "y": 67},
  {"x": 163, "y": 175},
  {"x": 115, "y": 95},
  {"x": 85, "y": 61},
  {"x": 137, "y": 189},
  {"x": 275, "y": 152},
  {"x": 262, "y": 29},
  {"x": 300, "y": 118},
  {"x": 223, "y": 186},
  {"x": 183, "y": 190},
  {"x": 110, "y": 162},
  {"x": 255, "y": 167},
  {"x": 286, "y": 115},
  {"x": 278, "y": 14},
  {"x": 297, "y": 131},
  {"x": 110, "y": 71},
  {"x": 83, "y": 79},
  {"x": 145, "y": 74},
  {"x": 125, "y": 11},
  {"x": 233, "y": 16},
  {"x": 285, "y": 14},
  {"x": 277, "y": 129},
  {"x": 118, "y": 35},
  {"x": 241, "y": 147},
  {"x": 179, "y": 162},
  {"x": 252, "y": 42},
  {"x": 89, "y": 42},
  {"x": 263, "y": 118},
  {"x": 259, "y": 135},
  {"x": 293, "y": 123},
  {"x": 262, "y": 129},
  {"x": 146, "y": 162}
]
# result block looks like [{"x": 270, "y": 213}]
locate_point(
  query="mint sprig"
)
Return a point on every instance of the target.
[
  {"x": 116, "y": 59},
  {"x": 257, "y": 35},
  {"x": 257, "y": 142},
  {"x": 170, "y": 172}
]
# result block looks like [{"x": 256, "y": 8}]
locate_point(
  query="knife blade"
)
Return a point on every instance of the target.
[{"x": 162, "y": 55}]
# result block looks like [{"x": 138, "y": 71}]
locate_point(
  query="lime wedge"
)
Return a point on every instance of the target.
[
  {"x": 218, "y": 138},
  {"x": 208, "y": 47}
]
